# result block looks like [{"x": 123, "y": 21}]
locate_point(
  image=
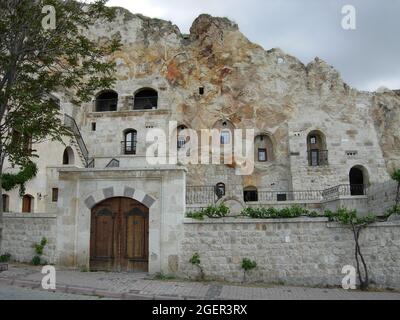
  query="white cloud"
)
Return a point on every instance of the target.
[{"x": 145, "y": 7}]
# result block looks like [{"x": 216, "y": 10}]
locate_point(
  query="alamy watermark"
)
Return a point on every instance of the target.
[
  {"x": 349, "y": 281},
  {"x": 49, "y": 20},
  {"x": 349, "y": 21},
  {"x": 214, "y": 146},
  {"x": 49, "y": 280}
]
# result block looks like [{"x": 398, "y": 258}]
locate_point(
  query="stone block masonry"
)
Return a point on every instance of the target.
[
  {"x": 22, "y": 231},
  {"x": 304, "y": 251}
]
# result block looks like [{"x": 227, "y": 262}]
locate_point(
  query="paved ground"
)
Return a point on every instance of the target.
[
  {"x": 18, "y": 293},
  {"x": 74, "y": 284}
]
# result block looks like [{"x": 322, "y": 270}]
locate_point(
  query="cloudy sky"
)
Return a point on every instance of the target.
[{"x": 367, "y": 57}]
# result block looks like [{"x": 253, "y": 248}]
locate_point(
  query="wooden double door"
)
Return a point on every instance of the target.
[{"x": 119, "y": 236}]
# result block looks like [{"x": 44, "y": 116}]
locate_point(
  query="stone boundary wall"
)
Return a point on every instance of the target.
[
  {"x": 22, "y": 230},
  {"x": 382, "y": 197},
  {"x": 303, "y": 251}
]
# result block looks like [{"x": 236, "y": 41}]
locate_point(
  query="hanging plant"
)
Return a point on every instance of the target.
[{"x": 9, "y": 180}]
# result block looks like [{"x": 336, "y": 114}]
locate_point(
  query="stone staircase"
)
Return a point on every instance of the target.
[{"x": 77, "y": 142}]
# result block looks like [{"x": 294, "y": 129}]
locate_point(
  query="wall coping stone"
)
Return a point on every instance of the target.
[
  {"x": 30, "y": 215},
  {"x": 163, "y": 168},
  {"x": 232, "y": 220},
  {"x": 373, "y": 225}
]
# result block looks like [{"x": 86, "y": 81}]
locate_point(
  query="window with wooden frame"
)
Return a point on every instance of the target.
[{"x": 54, "y": 195}]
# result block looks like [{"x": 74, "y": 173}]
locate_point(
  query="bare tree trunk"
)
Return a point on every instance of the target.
[
  {"x": 397, "y": 197},
  {"x": 364, "y": 282},
  {"x": 1, "y": 197}
]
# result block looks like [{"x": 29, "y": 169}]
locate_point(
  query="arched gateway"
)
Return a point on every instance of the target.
[{"x": 119, "y": 236}]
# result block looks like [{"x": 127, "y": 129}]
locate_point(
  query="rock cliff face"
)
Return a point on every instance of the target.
[{"x": 270, "y": 91}]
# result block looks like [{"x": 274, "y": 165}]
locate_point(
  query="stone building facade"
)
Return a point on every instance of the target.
[{"x": 318, "y": 143}]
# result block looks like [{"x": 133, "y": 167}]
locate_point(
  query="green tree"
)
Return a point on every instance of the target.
[
  {"x": 396, "y": 177},
  {"x": 35, "y": 63},
  {"x": 356, "y": 224}
]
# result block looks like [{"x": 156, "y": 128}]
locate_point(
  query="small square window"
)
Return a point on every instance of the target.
[
  {"x": 54, "y": 195},
  {"x": 262, "y": 155},
  {"x": 201, "y": 90},
  {"x": 313, "y": 140},
  {"x": 93, "y": 126}
]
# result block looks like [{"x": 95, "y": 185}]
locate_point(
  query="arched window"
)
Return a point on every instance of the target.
[
  {"x": 226, "y": 129},
  {"x": 358, "y": 178},
  {"x": 106, "y": 101},
  {"x": 130, "y": 142},
  {"x": 220, "y": 190},
  {"x": 27, "y": 203},
  {"x": 68, "y": 156},
  {"x": 6, "y": 203},
  {"x": 146, "y": 99},
  {"x": 263, "y": 148},
  {"x": 250, "y": 194},
  {"x": 316, "y": 149}
]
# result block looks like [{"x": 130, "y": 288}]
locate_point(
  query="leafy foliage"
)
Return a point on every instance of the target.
[
  {"x": 9, "y": 181},
  {"x": 195, "y": 260},
  {"x": 248, "y": 264},
  {"x": 39, "y": 248},
  {"x": 396, "y": 176},
  {"x": 350, "y": 217},
  {"x": 272, "y": 213},
  {"x": 36, "y": 62},
  {"x": 213, "y": 212},
  {"x": 6, "y": 257}
]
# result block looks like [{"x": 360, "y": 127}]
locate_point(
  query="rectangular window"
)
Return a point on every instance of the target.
[
  {"x": 93, "y": 126},
  {"x": 225, "y": 137},
  {"x": 314, "y": 158},
  {"x": 262, "y": 155},
  {"x": 181, "y": 142},
  {"x": 54, "y": 195},
  {"x": 281, "y": 197}
]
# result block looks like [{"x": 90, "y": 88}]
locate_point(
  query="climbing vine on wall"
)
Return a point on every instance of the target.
[{"x": 11, "y": 180}]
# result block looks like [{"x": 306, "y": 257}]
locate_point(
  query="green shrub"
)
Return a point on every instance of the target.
[
  {"x": 39, "y": 248},
  {"x": 5, "y": 257},
  {"x": 197, "y": 215},
  {"x": 247, "y": 265},
  {"x": 195, "y": 260},
  {"x": 36, "y": 260},
  {"x": 272, "y": 213},
  {"x": 213, "y": 212}
]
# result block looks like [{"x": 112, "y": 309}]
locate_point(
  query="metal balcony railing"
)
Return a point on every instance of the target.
[
  {"x": 104, "y": 105},
  {"x": 208, "y": 195},
  {"x": 128, "y": 147},
  {"x": 344, "y": 190},
  {"x": 317, "y": 157},
  {"x": 281, "y": 196},
  {"x": 201, "y": 195},
  {"x": 145, "y": 103}
]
